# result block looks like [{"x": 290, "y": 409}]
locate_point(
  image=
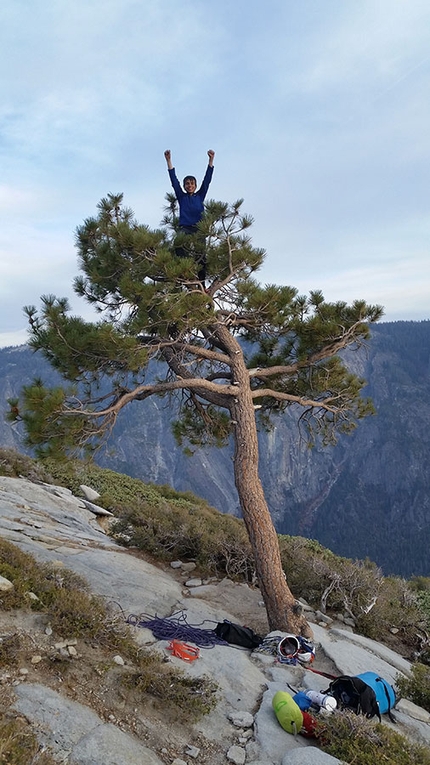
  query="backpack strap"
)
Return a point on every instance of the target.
[{"x": 389, "y": 713}]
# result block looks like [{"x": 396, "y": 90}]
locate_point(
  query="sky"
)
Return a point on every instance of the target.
[{"x": 318, "y": 112}]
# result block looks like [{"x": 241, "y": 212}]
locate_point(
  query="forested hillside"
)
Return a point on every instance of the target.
[{"x": 367, "y": 496}]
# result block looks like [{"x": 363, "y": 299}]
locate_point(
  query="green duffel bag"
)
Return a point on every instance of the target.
[{"x": 288, "y": 712}]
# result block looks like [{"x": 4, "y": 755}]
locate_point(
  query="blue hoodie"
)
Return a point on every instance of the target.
[{"x": 191, "y": 206}]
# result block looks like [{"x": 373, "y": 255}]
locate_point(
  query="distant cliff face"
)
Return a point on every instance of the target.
[{"x": 369, "y": 496}]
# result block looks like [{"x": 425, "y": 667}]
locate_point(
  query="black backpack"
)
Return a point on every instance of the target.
[
  {"x": 353, "y": 693},
  {"x": 238, "y": 635}
]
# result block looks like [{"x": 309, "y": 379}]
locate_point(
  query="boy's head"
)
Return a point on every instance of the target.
[{"x": 190, "y": 184}]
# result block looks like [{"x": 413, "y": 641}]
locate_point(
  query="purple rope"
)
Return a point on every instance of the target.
[{"x": 177, "y": 628}]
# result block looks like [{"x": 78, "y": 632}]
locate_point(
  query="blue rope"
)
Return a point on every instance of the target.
[{"x": 176, "y": 627}]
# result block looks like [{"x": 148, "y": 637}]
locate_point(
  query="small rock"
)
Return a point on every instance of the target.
[
  {"x": 237, "y": 755},
  {"x": 179, "y": 762},
  {"x": 192, "y": 751},
  {"x": 48, "y": 630},
  {"x": 323, "y": 618},
  {"x": 176, "y": 564},
  {"x": 5, "y": 584},
  {"x": 31, "y": 596},
  {"x": 36, "y": 659},
  {"x": 193, "y": 583},
  {"x": 96, "y": 509},
  {"x": 119, "y": 660},
  {"x": 72, "y": 650},
  {"x": 349, "y": 622},
  {"x": 241, "y": 719},
  {"x": 187, "y": 567},
  {"x": 23, "y": 671},
  {"x": 91, "y": 494},
  {"x": 394, "y": 630}
]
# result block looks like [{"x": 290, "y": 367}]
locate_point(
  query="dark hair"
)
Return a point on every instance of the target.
[{"x": 189, "y": 178}]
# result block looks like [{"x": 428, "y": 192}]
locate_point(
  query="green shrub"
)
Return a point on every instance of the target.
[
  {"x": 396, "y": 607},
  {"x": 354, "y": 739},
  {"x": 179, "y": 529},
  {"x": 18, "y": 744},
  {"x": 14, "y": 464},
  {"x": 186, "y": 698},
  {"x": 417, "y": 687}
]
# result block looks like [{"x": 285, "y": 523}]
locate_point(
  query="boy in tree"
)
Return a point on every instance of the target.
[{"x": 191, "y": 209}]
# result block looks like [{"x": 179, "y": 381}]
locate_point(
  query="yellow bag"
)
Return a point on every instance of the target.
[{"x": 288, "y": 712}]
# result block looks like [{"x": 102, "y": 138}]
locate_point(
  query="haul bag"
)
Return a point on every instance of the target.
[{"x": 384, "y": 691}]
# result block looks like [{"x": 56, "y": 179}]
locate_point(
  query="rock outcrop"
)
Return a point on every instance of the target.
[{"x": 53, "y": 525}]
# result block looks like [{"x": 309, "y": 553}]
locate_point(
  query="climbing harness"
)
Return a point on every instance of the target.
[{"x": 183, "y": 651}]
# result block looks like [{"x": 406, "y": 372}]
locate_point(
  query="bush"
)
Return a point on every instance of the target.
[
  {"x": 326, "y": 580},
  {"x": 354, "y": 739},
  {"x": 14, "y": 464},
  {"x": 18, "y": 744},
  {"x": 187, "y": 698},
  {"x": 417, "y": 687},
  {"x": 396, "y": 607},
  {"x": 180, "y": 529}
]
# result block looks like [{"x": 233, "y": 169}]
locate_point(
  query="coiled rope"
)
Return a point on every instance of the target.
[{"x": 176, "y": 627}]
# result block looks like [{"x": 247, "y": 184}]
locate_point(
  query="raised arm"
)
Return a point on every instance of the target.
[
  {"x": 211, "y": 155},
  {"x": 168, "y": 157}
]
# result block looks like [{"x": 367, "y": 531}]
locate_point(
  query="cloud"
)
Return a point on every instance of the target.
[{"x": 318, "y": 114}]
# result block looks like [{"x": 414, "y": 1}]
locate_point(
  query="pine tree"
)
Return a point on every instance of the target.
[{"x": 235, "y": 354}]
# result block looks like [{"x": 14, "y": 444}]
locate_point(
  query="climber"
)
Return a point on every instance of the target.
[{"x": 191, "y": 209}]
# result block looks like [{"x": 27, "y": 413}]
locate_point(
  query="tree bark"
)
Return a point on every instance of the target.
[{"x": 281, "y": 606}]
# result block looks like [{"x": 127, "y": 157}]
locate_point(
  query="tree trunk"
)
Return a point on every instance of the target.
[{"x": 280, "y": 603}]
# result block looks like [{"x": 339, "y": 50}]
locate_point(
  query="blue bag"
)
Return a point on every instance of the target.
[
  {"x": 302, "y": 701},
  {"x": 384, "y": 691}
]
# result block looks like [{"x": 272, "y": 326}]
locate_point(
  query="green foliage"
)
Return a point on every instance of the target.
[
  {"x": 417, "y": 687},
  {"x": 51, "y": 426},
  {"x": 217, "y": 542},
  {"x": 353, "y": 739},
  {"x": 187, "y": 698},
  {"x": 19, "y": 745},
  {"x": 155, "y": 310},
  {"x": 61, "y": 594},
  {"x": 328, "y": 581},
  {"x": 73, "y": 612},
  {"x": 202, "y": 426},
  {"x": 396, "y": 607},
  {"x": 14, "y": 464},
  {"x": 114, "y": 488},
  {"x": 423, "y": 598}
]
